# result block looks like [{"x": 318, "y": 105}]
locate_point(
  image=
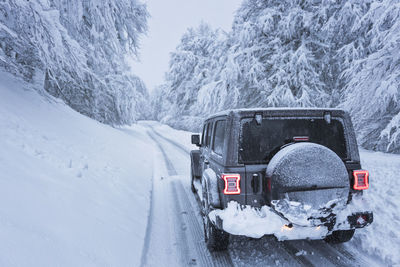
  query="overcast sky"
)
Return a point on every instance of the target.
[{"x": 169, "y": 20}]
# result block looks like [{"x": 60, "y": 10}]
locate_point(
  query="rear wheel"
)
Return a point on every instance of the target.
[
  {"x": 216, "y": 239},
  {"x": 340, "y": 236}
]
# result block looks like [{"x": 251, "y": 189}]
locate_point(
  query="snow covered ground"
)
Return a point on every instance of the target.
[
  {"x": 73, "y": 192},
  {"x": 382, "y": 238}
]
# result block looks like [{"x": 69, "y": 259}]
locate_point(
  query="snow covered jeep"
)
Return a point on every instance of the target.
[{"x": 291, "y": 173}]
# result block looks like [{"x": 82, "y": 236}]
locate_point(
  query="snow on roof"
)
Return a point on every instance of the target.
[{"x": 276, "y": 109}]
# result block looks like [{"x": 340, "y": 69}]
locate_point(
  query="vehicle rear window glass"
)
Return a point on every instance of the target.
[
  {"x": 219, "y": 134},
  {"x": 208, "y": 139},
  {"x": 259, "y": 142}
]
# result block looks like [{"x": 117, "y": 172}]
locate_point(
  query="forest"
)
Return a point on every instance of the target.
[
  {"x": 342, "y": 54},
  {"x": 302, "y": 53},
  {"x": 77, "y": 49}
]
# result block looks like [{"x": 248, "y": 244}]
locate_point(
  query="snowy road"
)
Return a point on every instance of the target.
[{"x": 175, "y": 233}]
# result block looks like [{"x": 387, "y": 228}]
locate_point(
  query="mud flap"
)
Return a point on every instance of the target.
[
  {"x": 209, "y": 180},
  {"x": 195, "y": 158}
]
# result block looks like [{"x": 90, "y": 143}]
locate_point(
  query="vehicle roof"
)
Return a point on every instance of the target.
[{"x": 281, "y": 111}]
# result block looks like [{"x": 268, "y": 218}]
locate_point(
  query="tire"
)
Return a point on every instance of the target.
[
  {"x": 216, "y": 239},
  {"x": 340, "y": 236},
  {"x": 315, "y": 168}
]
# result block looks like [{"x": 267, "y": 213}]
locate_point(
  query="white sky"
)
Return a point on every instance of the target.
[{"x": 169, "y": 20}]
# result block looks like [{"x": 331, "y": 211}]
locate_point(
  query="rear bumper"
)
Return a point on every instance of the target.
[
  {"x": 256, "y": 223},
  {"x": 356, "y": 220}
]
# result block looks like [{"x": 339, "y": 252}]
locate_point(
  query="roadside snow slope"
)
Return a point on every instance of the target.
[
  {"x": 382, "y": 237},
  {"x": 73, "y": 192}
]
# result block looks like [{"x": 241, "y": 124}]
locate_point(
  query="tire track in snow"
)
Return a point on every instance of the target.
[
  {"x": 186, "y": 253},
  {"x": 336, "y": 255},
  {"x": 292, "y": 250},
  {"x": 180, "y": 146},
  {"x": 219, "y": 258},
  {"x": 332, "y": 255},
  {"x": 146, "y": 243},
  {"x": 185, "y": 212},
  {"x": 150, "y": 222},
  {"x": 168, "y": 163},
  {"x": 182, "y": 242}
]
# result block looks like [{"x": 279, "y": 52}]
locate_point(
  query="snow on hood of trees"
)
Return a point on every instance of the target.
[
  {"x": 78, "y": 48},
  {"x": 292, "y": 53}
]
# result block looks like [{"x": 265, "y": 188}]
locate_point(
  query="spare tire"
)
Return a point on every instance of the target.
[{"x": 308, "y": 173}]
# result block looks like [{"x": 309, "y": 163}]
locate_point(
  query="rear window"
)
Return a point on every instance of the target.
[{"x": 259, "y": 142}]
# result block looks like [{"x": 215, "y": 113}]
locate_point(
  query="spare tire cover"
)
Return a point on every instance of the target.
[{"x": 308, "y": 173}]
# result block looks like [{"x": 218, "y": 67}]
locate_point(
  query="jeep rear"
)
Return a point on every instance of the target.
[{"x": 292, "y": 161}]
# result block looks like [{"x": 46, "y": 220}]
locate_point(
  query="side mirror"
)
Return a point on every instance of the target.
[{"x": 196, "y": 139}]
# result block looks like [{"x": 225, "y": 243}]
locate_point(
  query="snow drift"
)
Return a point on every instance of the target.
[{"x": 73, "y": 191}]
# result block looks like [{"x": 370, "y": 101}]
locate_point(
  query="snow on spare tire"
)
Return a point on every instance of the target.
[{"x": 306, "y": 177}]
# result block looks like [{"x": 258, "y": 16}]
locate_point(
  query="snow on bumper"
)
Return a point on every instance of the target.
[
  {"x": 251, "y": 222},
  {"x": 357, "y": 214}
]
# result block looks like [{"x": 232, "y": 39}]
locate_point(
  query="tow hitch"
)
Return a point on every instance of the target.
[{"x": 360, "y": 219}]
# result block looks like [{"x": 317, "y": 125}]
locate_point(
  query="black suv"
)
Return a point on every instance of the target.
[{"x": 289, "y": 161}]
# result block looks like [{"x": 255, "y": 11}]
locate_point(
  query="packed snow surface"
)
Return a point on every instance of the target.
[{"x": 73, "y": 192}]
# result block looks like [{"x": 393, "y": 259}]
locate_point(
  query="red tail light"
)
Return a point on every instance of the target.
[
  {"x": 232, "y": 184},
  {"x": 301, "y": 138},
  {"x": 361, "y": 180}
]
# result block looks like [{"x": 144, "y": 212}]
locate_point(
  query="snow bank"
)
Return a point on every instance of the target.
[
  {"x": 382, "y": 237},
  {"x": 73, "y": 192}
]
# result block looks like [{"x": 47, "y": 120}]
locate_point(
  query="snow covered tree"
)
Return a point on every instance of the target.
[
  {"x": 78, "y": 48},
  {"x": 191, "y": 66},
  {"x": 372, "y": 91},
  {"x": 267, "y": 60},
  {"x": 295, "y": 53}
]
